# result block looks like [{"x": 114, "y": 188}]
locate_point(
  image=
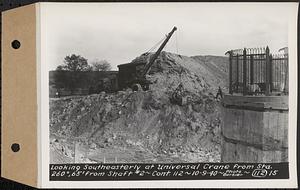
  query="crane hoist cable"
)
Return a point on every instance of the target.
[
  {"x": 170, "y": 48},
  {"x": 160, "y": 41},
  {"x": 178, "y": 94}
]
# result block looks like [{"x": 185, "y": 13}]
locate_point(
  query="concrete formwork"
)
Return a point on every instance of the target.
[{"x": 255, "y": 129}]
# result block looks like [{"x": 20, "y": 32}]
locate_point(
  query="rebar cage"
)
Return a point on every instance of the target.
[{"x": 255, "y": 71}]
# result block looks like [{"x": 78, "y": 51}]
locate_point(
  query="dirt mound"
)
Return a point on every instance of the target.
[
  {"x": 199, "y": 74},
  {"x": 145, "y": 126}
]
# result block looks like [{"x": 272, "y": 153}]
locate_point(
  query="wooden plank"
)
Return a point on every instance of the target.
[
  {"x": 232, "y": 152},
  {"x": 262, "y": 102}
]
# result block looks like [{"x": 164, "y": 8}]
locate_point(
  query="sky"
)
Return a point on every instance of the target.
[{"x": 119, "y": 32}]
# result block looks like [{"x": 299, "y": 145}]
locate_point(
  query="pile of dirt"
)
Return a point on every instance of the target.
[
  {"x": 198, "y": 73},
  {"x": 144, "y": 126}
]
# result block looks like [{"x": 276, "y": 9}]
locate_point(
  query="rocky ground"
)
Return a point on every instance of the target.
[{"x": 145, "y": 126}]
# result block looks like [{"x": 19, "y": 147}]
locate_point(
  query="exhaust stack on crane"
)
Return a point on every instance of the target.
[{"x": 130, "y": 74}]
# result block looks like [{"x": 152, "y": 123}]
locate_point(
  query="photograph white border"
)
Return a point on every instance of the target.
[{"x": 43, "y": 102}]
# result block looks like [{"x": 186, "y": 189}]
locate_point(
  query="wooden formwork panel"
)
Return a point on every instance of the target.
[
  {"x": 255, "y": 135},
  {"x": 235, "y": 152}
]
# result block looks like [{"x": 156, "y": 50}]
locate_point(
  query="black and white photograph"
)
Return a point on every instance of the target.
[
  {"x": 150, "y": 94},
  {"x": 169, "y": 83}
]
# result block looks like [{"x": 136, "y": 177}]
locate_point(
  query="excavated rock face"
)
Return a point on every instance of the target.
[{"x": 146, "y": 126}]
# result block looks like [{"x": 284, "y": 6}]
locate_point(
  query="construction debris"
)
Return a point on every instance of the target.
[{"x": 144, "y": 126}]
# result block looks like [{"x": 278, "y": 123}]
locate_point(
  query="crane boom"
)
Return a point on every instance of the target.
[{"x": 154, "y": 57}]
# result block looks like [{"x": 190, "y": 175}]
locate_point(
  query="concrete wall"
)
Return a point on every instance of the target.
[{"x": 255, "y": 129}]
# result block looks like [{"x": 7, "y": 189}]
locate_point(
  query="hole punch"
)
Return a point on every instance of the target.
[
  {"x": 15, "y": 147},
  {"x": 16, "y": 44}
]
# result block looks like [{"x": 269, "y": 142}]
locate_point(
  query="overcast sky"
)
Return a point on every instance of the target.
[{"x": 120, "y": 32}]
